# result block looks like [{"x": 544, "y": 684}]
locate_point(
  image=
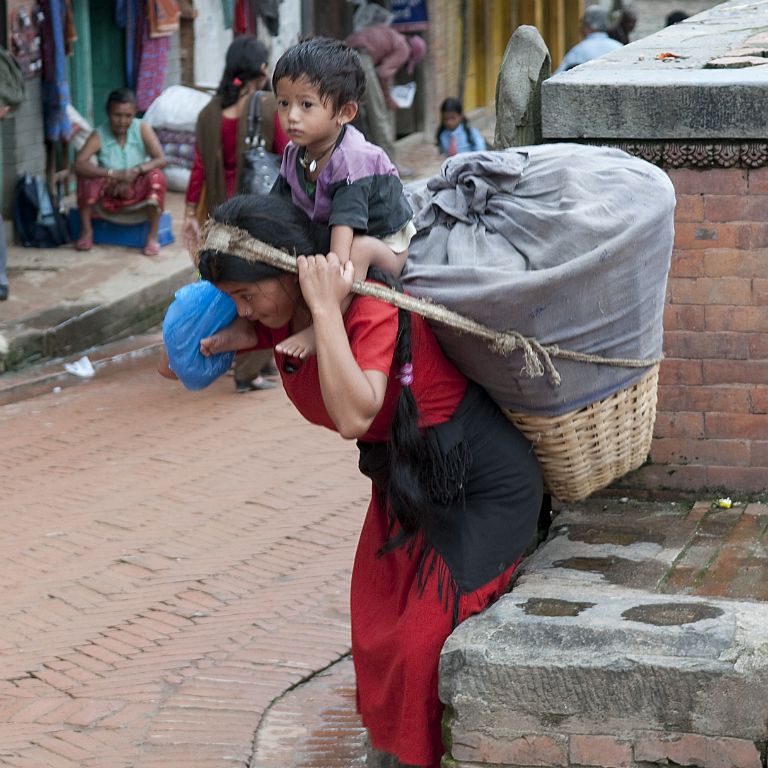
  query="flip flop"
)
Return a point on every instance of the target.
[
  {"x": 152, "y": 248},
  {"x": 84, "y": 244}
]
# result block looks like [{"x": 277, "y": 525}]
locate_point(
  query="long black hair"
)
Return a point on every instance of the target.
[
  {"x": 275, "y": 220},
  {"x": 245, "y": 60},
  {"x": 452, "y": 104}
]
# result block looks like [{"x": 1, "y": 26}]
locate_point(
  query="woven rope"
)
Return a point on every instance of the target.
[{"x": 537, "y": 357}]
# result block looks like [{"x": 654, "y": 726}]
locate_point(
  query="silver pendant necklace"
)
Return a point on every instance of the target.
[{"x": 311, "y": 165}]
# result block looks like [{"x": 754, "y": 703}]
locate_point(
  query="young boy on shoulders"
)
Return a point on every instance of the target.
[{"x": 330, "y": 171}]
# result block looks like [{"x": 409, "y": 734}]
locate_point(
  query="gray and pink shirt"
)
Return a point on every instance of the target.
[{"x": 359, "y": 187}]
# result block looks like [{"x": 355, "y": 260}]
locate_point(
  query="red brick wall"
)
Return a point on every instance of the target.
[{"x": 712, "y": 419}]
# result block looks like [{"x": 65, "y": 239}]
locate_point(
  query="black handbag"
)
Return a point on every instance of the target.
[{"x": 260, "y": 167}]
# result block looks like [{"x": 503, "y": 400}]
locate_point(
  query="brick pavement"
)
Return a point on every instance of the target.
[{"x": 172, "y": 563}]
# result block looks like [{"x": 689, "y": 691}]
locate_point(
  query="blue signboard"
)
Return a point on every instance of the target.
[{"x": 409, "y": 15}]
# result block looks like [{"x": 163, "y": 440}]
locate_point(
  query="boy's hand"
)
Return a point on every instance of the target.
[
  {"x": 324, "y": 281},
  {"x": 239, "y": 334}
]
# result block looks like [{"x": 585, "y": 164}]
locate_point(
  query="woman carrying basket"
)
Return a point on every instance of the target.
[{"x": 456, "y": 488}]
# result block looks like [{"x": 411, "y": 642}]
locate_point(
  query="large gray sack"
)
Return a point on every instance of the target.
[{"x": 565, "y": 243}]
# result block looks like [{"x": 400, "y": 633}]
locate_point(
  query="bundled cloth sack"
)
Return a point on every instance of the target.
[
  {"x": 198, "y": 310},
  {"x": 173, "y": 115},
  {"x": 564, "y": 243}
]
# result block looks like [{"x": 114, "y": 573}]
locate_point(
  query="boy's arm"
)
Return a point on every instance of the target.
[
  {"x": 341, "y": 241},
  {"x": 341, "y": 245}
]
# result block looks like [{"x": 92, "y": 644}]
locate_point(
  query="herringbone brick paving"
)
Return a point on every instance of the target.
[{"x": 172, "y": 562}]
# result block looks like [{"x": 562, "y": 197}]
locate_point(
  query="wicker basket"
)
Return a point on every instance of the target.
[{"x": 585, "y": 450}]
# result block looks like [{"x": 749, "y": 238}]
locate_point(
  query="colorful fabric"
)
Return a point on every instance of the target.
[
  {"x": 148, "y": 189},
  {"x": 153, "y": 62},
  {"x": 164, "y": 17},
  {"x": 359, "y": 187},
  {"x": 228, "y": 12},
  {"x": 55, "y": 89},
  {"x": 112, "y": 155},
  {"x": 245, "y": 17},
  {"x": 128, "y": 14}
]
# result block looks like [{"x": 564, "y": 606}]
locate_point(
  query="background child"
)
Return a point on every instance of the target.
[
  {"x": 330, "y": 171},
  {"x": 455, "y": 135}
]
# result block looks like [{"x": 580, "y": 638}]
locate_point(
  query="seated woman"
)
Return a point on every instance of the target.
[
  {"x": 127, "y": 185},
  {"x": 456, "y": 489}
]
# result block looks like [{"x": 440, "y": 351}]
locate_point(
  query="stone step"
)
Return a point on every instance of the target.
[{"x": 618, "y": 641}]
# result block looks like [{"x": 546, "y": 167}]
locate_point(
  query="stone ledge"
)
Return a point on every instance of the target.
[
  {"x": 630, "y": 94},
  {"x": 597, "y": 641}
]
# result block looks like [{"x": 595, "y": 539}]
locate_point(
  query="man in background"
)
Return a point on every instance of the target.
[
  {"x": 383, "y": 50},
  {"x": 596, "y": 43}
]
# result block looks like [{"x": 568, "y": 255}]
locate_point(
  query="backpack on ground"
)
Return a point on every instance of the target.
[{"x": 38, "y": 223}]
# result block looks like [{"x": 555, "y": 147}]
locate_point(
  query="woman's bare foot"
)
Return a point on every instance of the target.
[
  {"x": 239, "y": 334},
  {"x": 301, "y": 344}
]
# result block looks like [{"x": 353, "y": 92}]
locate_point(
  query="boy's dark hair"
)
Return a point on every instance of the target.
[
  {"x": 245, "y": 60},
  {"x": 121, "y": 96},
  {"x": 452, "y": 104},
  {"x": 330, "y": 65}
]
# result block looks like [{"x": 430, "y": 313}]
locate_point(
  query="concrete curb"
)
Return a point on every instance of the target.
[
  {"x": 68, "y": 329},
  {"x": 50, "y": 376}
]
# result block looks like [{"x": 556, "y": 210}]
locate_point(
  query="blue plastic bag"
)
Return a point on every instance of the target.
[{"x": 199, "y": 310}]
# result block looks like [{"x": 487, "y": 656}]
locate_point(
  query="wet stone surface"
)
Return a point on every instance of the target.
[
  {"x": 671, "y": 614},
  {"x": 550, "y": 607}
]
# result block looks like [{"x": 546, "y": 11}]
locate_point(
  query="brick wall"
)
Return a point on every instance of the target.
[
  {"x": 642, "y": 748},
  {"x": 712, "y": 419}
]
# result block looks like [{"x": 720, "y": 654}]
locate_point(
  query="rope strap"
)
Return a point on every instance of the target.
[{"x": 537, "y": 357}]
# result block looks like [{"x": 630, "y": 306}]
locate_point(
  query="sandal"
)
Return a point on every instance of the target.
[
  {"x": 152, "y": 248},
  {"x": 84, "y": 244}
]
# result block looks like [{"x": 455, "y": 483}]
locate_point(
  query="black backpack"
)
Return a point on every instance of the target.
[{"x": 37, "y": 221}]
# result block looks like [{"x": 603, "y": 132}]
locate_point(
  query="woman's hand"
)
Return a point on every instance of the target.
[
  {"x": 190, "y": 233},
  {"x": 324, "y": 281},
  {"x": 130, "y": 174},
  {"x": 120, "y": 189}
]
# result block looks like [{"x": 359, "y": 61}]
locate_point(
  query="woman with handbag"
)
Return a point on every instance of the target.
[{"x": 221, "y": 143}]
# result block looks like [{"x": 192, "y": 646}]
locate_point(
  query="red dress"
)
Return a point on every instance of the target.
[{"x": 398, "y": 626}]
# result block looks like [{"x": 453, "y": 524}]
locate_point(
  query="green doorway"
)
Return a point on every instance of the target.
[{"x": 107, "y": 55}]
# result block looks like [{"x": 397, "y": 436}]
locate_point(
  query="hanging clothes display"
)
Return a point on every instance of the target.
[
  {"x": 228, "y": 11},
  {"x": 269, "y": 10},
  {"x": 126, "y": 13},
  {"x": 152, "y": 60},
  {"x": 163, "y": 17},
  {"x": 248, "y": 11},
  {"x": 245, "y": 17},
  {"x": 55, "y": 89}
]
